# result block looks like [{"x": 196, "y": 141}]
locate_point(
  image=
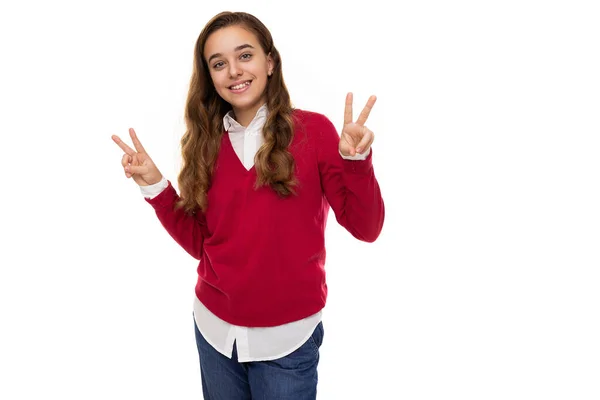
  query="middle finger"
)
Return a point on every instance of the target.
[
  {"x": 123, "y": 146},
  {"x": 362, "y": 118}
]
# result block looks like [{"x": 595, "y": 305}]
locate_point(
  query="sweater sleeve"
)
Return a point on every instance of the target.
[
  {"x": 187, "y": 230},
  {"x": 350, "y": 186}
]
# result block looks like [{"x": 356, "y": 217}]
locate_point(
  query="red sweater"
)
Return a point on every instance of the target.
[{"x": 262, "y": 258}]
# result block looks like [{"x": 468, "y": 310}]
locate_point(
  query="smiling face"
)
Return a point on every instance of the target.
[{"x": 239, "y": 69}]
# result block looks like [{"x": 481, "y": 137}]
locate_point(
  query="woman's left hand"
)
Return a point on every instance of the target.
[{"x": 356, "y": 137}]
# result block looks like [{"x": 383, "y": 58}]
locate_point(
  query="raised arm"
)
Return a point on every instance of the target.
[
  {"x": 186, "y": 229},
  {"x": 350, "y": 185}
]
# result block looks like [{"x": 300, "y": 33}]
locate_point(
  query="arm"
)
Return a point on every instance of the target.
[
  {"x": 187, "y": 230},
  {"x": 349, "y": 185}
]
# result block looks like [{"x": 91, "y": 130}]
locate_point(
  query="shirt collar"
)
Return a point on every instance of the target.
[{"x": 231, "y": 125}]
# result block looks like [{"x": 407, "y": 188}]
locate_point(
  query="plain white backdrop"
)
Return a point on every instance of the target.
[{"x": 484, "y": 282}]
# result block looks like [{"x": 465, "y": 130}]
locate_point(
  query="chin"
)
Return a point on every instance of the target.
[
  {"x": 242, "y": 105},
  {"x": 245, "y": 103}
]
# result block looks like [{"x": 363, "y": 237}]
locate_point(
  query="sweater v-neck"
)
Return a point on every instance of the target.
[{"x": 230, "y": 153}]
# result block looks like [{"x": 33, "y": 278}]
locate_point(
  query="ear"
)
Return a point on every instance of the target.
[{"x": 270, "y": 64}]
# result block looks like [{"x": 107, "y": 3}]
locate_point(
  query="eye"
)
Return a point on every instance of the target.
[
  {"x": 246, "y": 56},
  {"x": 218, "y": 65}
]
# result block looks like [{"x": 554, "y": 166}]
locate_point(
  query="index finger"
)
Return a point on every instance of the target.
[
  {"x": 123, "y": 146},
  {"x": 136, "y": 141},
  {"x": 348, "y": 109},
  {"x": 362, "y": 118}
]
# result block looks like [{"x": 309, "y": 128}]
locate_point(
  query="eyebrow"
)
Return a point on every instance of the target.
[{"x": 238, "y": 48}]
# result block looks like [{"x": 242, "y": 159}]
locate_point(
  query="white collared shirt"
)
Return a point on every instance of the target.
[{"x": 252, "y": 343}]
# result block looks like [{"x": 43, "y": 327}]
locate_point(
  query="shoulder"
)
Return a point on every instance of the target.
[
  {"x": 317, "y": 130},
  {"x": 311, "y": 121}
]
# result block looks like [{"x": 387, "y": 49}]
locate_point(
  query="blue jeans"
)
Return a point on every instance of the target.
[{"x": 291, "y": 377}]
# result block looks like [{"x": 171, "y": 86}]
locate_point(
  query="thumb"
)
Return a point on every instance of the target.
[
  {"x": 346, "y": 146},
  {"x": 366, "y": 140},
  {"x": 137, "y": 169}
]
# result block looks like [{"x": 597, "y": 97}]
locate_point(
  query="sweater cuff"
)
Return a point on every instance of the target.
[
  {"x": 357, "y": 156},
  {"x": 165, "y": 198},
  {"x": 359, "y": 166},
  {"x": 152, "y": 191}
]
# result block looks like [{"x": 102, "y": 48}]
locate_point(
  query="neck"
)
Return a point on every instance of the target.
[{"x": 245, "y": 116}]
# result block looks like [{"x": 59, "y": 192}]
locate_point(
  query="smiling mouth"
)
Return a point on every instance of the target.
[{"x": 240, "y": 86}]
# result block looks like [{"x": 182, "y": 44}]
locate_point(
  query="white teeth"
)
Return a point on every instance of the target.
[{"x": 241, "y": 85}]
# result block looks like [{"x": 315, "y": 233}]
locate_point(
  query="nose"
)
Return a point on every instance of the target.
[{"x": 234, "y": 70}]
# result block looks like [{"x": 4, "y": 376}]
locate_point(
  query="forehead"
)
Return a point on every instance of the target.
[{"x": 225, "y": 40}]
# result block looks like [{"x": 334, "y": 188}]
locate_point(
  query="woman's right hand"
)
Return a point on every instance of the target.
[{"x": 138, "y": 164}]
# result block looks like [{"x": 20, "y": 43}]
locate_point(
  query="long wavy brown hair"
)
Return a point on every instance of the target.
[{"x": 204, "y": 112}]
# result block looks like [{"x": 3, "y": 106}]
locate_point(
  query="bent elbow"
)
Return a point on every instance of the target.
[{"x": 370, "y": 235}]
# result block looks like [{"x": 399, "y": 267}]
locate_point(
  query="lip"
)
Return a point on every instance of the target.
[
  {"x": 239, "y": 82},
  {"x": 242, "y": 89}
]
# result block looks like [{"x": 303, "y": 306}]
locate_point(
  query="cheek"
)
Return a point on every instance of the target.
[
  {"x": 219, "y": 83},
  {"x": 215, "y": 79}
]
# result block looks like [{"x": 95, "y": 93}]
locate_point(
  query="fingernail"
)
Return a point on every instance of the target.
[{"x": 358, "y": 150}]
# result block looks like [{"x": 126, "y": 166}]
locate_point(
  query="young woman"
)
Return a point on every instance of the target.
[{"x": 256, "y": 185}]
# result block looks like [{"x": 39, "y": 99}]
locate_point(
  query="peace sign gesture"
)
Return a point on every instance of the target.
[
  {"x": 138, "y": 164},
  {"x": 356, "y": 137}
]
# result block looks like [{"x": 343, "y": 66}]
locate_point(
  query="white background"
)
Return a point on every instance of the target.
[{"x": 484, "y": 282}]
